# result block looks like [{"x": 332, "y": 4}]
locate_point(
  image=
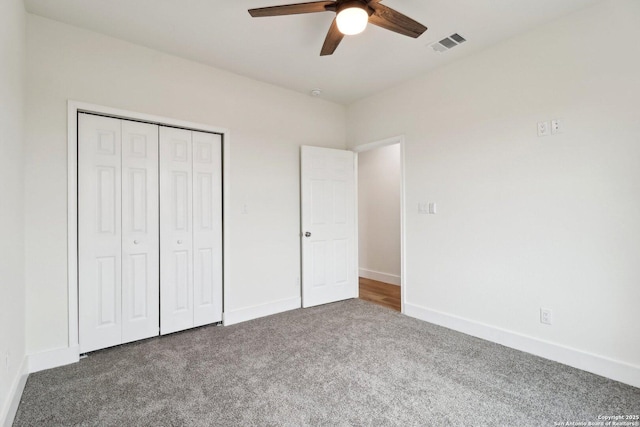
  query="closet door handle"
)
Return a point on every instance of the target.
[
  {"x": 179, "y": 242},
  {"x": 135, "y": 242}
]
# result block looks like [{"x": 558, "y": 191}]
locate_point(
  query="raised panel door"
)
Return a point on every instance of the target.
[
  {"x": 176, "y": 230},
  {"x": 329, "y": 269},
  {"x": 99, "y": 232},
  {"x": 207, "y": 228},
  {"x": 140, "y": 231}
]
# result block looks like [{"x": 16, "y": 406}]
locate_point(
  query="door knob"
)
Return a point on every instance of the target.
[
  {"x": 135, "y": 242},
  {"x": 307, "y": 234},
  {"x": 179, "y": 242}
]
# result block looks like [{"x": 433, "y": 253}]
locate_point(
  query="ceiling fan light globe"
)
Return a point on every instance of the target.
[{"x": 352, "y": 20}]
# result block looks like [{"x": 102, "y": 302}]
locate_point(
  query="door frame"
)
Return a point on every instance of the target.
[
  {"x": 403, "y": 250},
  {"x": 75, "y": 107}
]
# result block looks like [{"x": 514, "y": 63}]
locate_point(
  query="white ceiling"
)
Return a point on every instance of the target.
[{"x": 285, "y": 50}]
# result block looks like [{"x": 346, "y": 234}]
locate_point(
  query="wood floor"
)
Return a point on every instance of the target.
[{"x": 380, "y": 293}]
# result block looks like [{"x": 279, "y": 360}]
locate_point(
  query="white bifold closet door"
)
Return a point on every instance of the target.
[
  {"x": 118, "y": 221},
  {"x": 190, "y": 229}
]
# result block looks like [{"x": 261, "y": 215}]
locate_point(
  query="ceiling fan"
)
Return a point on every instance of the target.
[{"x": 351, "y": 18}]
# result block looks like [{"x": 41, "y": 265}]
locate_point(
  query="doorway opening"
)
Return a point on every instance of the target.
[{"x": 380, "y": 167}]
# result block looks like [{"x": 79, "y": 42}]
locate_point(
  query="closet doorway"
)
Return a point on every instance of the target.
[{"x": 145, "y": 226}]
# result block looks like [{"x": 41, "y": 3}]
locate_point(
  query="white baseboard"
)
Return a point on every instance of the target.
[
  {"x": 262, "y": 310},
  {"x": 15, "y": 394},
  {"x": 380, "y": 276},
  {"x": 53, "y": 358},
  {"x": 599, "y": 365}
]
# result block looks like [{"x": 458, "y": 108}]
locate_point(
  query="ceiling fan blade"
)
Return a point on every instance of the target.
[
  {"x": 334, "y": 37},
  {"x": 293, "y": 9},
  {"x": 389, "y": 19}
]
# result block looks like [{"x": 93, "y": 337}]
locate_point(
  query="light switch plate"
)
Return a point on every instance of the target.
[{"x": 544, "y": 128}]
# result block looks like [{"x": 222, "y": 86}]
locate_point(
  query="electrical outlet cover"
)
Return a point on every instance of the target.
[{"x": 546, "y": 316}]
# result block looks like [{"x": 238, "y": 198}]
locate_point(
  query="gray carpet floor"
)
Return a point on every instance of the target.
[{"x": 350, "y": 363}]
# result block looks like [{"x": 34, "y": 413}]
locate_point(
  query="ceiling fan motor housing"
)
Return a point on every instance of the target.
[{"x": 361, "y": 4}]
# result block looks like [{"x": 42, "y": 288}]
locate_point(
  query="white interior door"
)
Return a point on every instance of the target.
[
  {"x": 147, "y": 194},
  {"x": 140, "y": 231},
  {"x": 329, "y": 269},
  {"x": 176, "y": 230},
  {"x": 207, "y": 228},
  {"x": 99, "y": 232}
]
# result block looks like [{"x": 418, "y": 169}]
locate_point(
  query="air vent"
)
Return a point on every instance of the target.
[
  {"x": 457, "y": 38},
  {"x": 447, "y": 43}
]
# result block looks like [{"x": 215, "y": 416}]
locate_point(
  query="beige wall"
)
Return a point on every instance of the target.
[
  {"x": 267, "y": 125},
  {"x": 527, "y": 222},
  {"x": 379, "y": 213},
  {"x": 12, "y": 293}
]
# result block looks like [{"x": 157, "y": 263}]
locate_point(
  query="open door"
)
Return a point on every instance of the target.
[{"x": 329, "y": 245}]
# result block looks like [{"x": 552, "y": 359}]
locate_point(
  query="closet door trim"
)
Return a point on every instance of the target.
[{"x": 71, "y": 354}]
